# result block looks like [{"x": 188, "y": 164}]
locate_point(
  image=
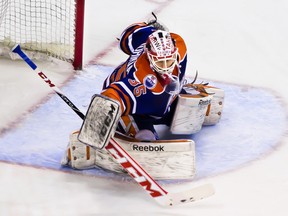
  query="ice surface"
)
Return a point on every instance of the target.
[
  {"x": 240, "y": 45},
  {"x": 244, "y": 134}
]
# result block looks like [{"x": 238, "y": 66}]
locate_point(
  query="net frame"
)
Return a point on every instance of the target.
[{"x": 50, "y": 27}]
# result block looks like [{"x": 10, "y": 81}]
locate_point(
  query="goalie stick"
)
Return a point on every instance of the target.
[
  {"x": 17, "y": 49},
  {"x": 126, "y": 161}
]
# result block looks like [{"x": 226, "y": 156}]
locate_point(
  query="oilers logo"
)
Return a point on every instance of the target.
[{"x": 150, "y": 81}]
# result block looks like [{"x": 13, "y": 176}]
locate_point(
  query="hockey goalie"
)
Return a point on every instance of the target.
[{"x": 148, "y": 89}]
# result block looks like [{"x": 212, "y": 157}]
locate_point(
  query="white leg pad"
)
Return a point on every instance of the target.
[
  {"x": 214, "y": 110},
  {"x": 162, "y": 159},
  {"x": 189, "y": 114},
  {"x": 79, "y": 155}
]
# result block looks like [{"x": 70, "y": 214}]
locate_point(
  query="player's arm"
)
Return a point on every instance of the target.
[
  {"x": 133, "y": 36},
  {"x": 122, "y": 92}
]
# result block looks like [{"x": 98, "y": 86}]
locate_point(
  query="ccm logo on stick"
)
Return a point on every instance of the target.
[
  {"x": 44, "y": 77},
  {"x": 145, "y": 182}
]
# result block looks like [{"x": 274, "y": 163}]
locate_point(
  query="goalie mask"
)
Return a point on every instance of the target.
[
  {"x": 161, "y": 52},
  {"x": 162, "y": 55}
]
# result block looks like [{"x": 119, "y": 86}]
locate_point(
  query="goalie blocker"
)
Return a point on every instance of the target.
[{"x": 100, "y": 122}]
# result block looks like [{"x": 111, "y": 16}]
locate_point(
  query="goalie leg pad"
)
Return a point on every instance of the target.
[
  {"x": 190, "y": 113},
  {"x": 214, "y": 111},
  {"x": 170, "y": 159},
  {"x": 100, "y": 122},
  {"x": 78, "y": 155}
]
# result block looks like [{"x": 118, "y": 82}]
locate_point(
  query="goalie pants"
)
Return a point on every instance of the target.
[{"x": 131, "y": 124}]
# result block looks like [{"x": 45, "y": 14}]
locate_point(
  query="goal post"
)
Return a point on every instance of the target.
[
  {"x": 48, "y": 27},
  {"x": 79, "y": 34}
]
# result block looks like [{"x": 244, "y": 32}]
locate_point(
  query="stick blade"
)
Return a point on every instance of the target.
[{"x": 192, "y": 195}]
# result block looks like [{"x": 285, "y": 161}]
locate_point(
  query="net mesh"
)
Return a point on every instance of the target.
[{"x": 46, "y": 26}]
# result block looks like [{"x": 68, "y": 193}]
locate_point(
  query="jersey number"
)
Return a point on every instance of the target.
[{"x": 138, "y": 90}]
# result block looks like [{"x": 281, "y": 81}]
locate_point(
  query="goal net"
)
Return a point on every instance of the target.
[{"x": 47, "y": 27}]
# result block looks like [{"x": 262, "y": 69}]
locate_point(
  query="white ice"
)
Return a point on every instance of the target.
[{"x": 241, "y": 42}]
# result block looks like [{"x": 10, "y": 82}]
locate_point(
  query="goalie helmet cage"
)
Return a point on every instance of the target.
[{"x": 52, "y": 27}]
